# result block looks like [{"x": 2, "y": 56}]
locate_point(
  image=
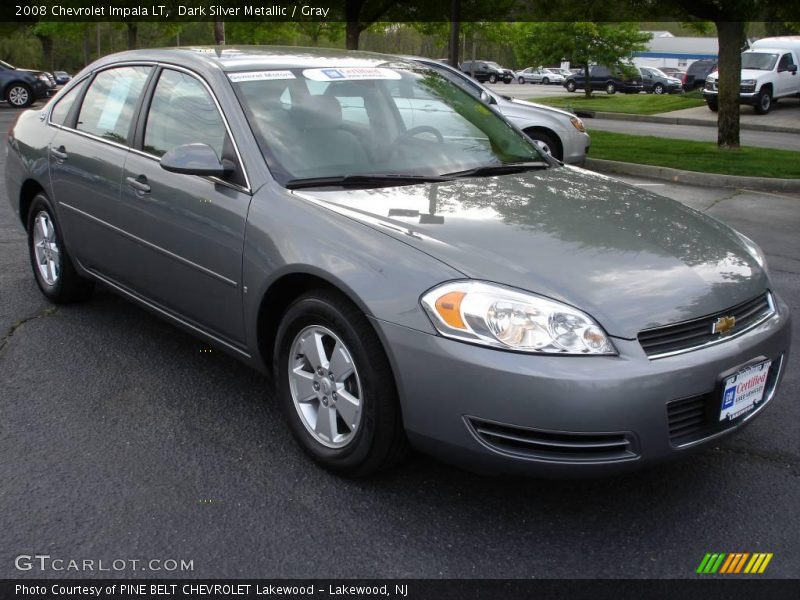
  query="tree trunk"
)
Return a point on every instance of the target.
[
  {"x": 219, "y": 32},
  {"x": 452, "y": 49},
  {"x": 133, "y": 34},
  {"x": 730, "y": 35},
  {"x": 587, "y": 83},
  {"x": 47, "y": 50},
  {"x": 352, "y": 35}
]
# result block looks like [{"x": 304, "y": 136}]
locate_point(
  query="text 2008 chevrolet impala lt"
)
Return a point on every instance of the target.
[{"x": 409, "y": 267}]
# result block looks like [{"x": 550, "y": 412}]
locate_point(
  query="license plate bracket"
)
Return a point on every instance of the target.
[{"x": 743, "y": 390}]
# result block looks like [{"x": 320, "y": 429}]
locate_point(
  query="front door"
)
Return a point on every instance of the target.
[{"x": 186, "y": 232}]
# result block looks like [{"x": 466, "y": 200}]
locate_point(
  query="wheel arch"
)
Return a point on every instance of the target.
[
  {"x": 549, "y": 132},
  {"x": 28, "y": 191}
]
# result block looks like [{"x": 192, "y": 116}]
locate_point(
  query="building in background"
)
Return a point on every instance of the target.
[{"x": 667, "y": 50}]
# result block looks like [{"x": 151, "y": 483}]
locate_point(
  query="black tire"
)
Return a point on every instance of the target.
[
  {"x": 553, "y": 147},
  {"x": 545, "y": 81},
  {"x": 19, "y": 95},
  {"x": 658, "y": 89},
  {"x": 571, "y": 87},
  {"x": 713, "y": 106},
  {"x": 763, "y": 102},
  {"x": 67, "y": 286},
  {"x": 379, "y": 442},
  {"x": 521, "y": 80},
  {"x": 492, "y": 78},
  {"x": 611, "y": 88}
]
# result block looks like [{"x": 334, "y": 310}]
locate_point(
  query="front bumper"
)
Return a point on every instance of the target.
[
  {"x": 452, "y": 393},
  {"x": 42, "y": 90},
  {"x": 750, "y": 98}
]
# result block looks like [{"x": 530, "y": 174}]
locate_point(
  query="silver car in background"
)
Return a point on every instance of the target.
[
  {"x": 560, "y": 133},
  {"x": 545, "y": 76}
]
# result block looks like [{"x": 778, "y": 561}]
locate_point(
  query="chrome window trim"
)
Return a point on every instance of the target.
[
  {"x": 247, "y": 188},
  {"x": 772, "y": 312}
]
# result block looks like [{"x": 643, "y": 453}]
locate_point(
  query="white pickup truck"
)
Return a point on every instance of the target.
[{"x": 769, "y": 72}]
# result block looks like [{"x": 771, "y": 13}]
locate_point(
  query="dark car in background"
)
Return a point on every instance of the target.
[
  {"x": 695, "y": 77},
  {"x": 22, "y": 87},
  {"x": 487, "y": 71},
  {"x": 62, "y": 77},
  {"x": 675, "y": 72},
  {"x": 655, "y": 81},
  {"x": 609, "y": 79}
]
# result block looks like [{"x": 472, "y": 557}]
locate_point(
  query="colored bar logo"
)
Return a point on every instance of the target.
[{"x": 734, "y": 562}]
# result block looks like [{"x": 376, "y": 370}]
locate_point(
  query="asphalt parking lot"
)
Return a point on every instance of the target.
[{"x": 124, "y": 438}]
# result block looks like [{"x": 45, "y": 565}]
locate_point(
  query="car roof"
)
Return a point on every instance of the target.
[{"x": 244, "y": 58}]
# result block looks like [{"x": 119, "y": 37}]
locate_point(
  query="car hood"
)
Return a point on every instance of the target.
[
  {"x": 746, "y": 74},
  {"x": 540, "y": 107},
  {"x": 630, "y": 258}
]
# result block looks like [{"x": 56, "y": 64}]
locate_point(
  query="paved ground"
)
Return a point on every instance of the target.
[
  {"x": 748, "y": 137},
  {"x": 121, "y": 440},
  {"x": 784, "y": 113}
]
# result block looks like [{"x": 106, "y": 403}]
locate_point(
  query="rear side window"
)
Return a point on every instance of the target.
[
  {"x": 110, "y": 101},
  {"x": 182, "y": 112},
  {"x": 58, "y": 115}
]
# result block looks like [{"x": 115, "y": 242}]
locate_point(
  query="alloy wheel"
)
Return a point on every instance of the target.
[
  {"x": 18, "y": 96},
  {"x": 46, "y": 250},
  {"x": 325, "y": 386}
]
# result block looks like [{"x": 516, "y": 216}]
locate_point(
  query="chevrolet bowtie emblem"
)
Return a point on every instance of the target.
[{"x": 723, "y": 324}]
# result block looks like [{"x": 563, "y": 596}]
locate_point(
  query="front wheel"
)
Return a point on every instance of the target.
[
  {"x": 52, "y": 266},
  {"x": 19, "y": 95},
  {"x": 610, "y": 88},
  {"x": 521, "y": 80},
  {"x": 763, "y": 102},
  {"x": 571, "y": 87},
  {"x": 545, "y": 81},
  {"x": 336, "y": 388},
  {"x": 658, "y": 89},
  {"x": 713, "y": 106},
  {"x": 546, "y": 142}
]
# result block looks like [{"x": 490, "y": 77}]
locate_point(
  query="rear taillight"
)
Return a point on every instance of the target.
[{"x": 683, "y": 79}]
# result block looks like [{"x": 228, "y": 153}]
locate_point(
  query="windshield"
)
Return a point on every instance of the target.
[
  {"x": 398, "y": 119},
  {"x": 658, "y": 73},
  {"x": 493, "y": 64},
  {"x": 760, "y": 61}
]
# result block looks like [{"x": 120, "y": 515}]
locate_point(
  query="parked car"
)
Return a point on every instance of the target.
[
  {"x": 675, "y": 72},
  {"x": 655, "y": 81},
  {"x": 611, "y": 80},
  {"x": 695, "y": 77},
  {"x": 769, "y": 72},
  {"x": 544, "y": 76},
  {"x": 559, "y": 133},
  {"x": 62, "y": 77},
  {"x": 446, "y": 285},
  {"x": 487, "y": 71},
  {"x": 22, "y": 87}
]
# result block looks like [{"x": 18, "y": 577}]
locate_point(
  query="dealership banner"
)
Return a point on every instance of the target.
[{"x": 464, "y": 589}]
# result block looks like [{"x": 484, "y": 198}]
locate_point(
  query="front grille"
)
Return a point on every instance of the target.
[
  {"x": 695, "y": 418},
  {"x": 690, "y": 335},
  {"x": 553, "y": 445}
]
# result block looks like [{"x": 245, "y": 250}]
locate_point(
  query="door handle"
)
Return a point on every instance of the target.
[
  {"x": 60, "y": 153},
  {"x": 139, "y": 184}
]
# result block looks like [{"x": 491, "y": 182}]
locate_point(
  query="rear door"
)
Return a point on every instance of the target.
[
  {"x": 86, "y": 158},
  {"x": 185, "y": 232}
]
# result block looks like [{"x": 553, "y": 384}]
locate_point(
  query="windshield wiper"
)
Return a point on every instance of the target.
[
  {"x": 500, "y": 169},
  {"x": 365, "y": 181}
]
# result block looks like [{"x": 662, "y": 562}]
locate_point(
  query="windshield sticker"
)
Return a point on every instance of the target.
[
  {"x": 350, "y": 73},
  {"x": 260, "y": 76}
]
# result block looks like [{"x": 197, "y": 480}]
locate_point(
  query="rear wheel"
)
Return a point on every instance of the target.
[
  {"x": 611, "y": 88},
  {"x": 545, "y": 81},
  {"x": 571, "y": 87},
  {"x": 658, "y": 89},
  {"x": 336, "y": 388},
  {"x": 52, "y": 266},
  {"x": 763, "y": 102},
  {"x": 492, "y": 78},
  {"x": 19, "y": 95}
]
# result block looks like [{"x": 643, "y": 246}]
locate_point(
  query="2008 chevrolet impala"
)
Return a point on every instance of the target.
[{"x": 407, "y": 264}]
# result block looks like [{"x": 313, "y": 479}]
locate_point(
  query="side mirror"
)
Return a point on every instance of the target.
[
  {"x": 792, "y": 69},
  {"x": 487, "y": 98},
  {"x": 195, "y": 159}
]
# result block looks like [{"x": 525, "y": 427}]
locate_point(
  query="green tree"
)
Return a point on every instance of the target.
[{"x": 582, "y": 43}]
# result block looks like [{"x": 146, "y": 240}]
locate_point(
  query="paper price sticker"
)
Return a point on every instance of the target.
[
  {"x": 260, "y": 76},
  {"x": 350, "y": 74}
]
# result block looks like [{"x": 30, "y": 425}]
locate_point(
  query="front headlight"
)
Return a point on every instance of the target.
[
  {"x": 578, "y": 124},
  {"x": 42, "y": 77},
  {"x": 492, "y": 315}
]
